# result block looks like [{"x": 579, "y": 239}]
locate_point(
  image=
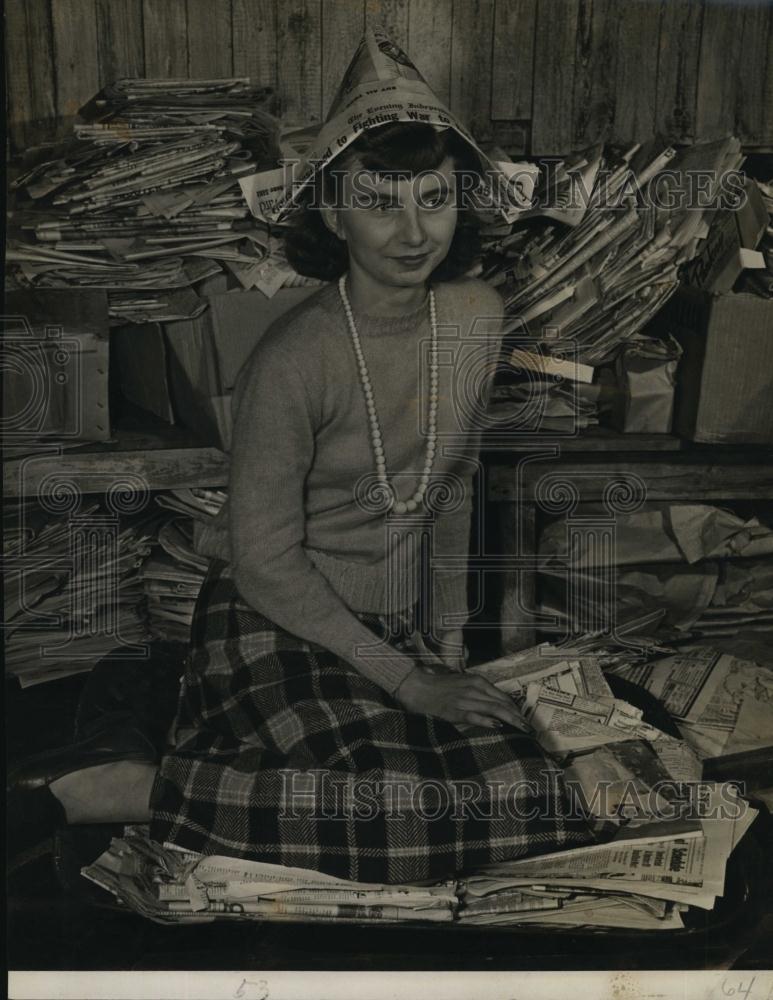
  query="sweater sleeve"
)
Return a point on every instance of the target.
[
  {"x": 451, "y": 537},
  {"x": 452, "y": 531},
  {"x": 272, "y": 452}
]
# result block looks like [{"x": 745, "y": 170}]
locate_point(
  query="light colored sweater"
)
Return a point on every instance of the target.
[{"x": 303, "y": 550}]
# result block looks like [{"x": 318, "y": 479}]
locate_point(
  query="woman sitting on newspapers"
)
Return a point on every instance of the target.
[{"x": 325, "y": 718}]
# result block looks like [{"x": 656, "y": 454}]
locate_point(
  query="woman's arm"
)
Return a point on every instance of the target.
[
  {"x": 450, "y": 610},
  {"x": 272, "y": 451},
  {"x": 484, "y": 310}
]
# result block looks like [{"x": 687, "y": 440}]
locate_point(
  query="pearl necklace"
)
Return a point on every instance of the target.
[{"x": 377, "y": 442}]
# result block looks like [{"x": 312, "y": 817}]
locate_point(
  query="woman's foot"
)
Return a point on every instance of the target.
[{"x": 118, "y": 792}]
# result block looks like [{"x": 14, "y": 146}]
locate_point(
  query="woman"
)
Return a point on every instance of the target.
[{"x": 319, "y": 718}]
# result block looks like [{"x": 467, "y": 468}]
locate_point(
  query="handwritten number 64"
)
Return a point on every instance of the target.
[{"x": 731, "y": 990}]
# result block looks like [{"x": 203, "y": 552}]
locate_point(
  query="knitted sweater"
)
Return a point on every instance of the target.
[{"x": 304, "y": 548}]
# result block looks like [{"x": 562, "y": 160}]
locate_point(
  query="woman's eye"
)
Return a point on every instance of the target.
[{"x": 435, "y": 200}]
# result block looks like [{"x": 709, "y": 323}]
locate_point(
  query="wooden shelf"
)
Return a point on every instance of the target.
[
  {"x": 603, "y": 439},
  {"x": 668, "y": 467},
  {"x": 144, "y": 451},
  {"x": 144, "y": 448},
  {"x": 618, "y": 470}
]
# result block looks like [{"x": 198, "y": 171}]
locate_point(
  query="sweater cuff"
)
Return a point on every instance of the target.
[
  {"x": 450, "y": 599},
  {"x": 390, "y": 674}
]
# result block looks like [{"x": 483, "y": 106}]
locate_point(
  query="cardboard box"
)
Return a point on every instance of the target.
[
  {"x": 725, "y": 378},
  {"x": 55, "y": 350},
  {"x": 206, "y": 354},
  {"x": 730, "y": 246},
  {"x": 140, "y": 364}
]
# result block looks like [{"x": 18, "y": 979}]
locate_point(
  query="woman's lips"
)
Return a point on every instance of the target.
[{"x": 412, "y": 260}]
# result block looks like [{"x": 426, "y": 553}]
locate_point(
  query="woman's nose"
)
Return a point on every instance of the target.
[{"x": 411, "y": 231}]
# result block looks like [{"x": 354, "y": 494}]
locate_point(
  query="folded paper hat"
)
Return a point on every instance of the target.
[{"x": 382, "y": 85}]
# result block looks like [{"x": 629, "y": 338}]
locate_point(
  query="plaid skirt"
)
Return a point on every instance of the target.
[{"x": 285, "y": 753}]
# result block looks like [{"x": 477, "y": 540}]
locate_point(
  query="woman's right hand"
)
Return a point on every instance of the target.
[{"x": 458, "y": 698}]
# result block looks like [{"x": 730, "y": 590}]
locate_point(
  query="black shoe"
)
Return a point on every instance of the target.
[{"x": 128, "y": 743}]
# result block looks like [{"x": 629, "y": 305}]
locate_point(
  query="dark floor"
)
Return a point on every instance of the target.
[{"x": 57, "y": 920}]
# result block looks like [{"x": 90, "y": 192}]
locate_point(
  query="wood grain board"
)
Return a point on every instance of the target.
[{"x": 561, "y": 73}]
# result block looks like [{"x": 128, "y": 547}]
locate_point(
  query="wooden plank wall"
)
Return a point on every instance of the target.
[{"x": 538, "y": 77}]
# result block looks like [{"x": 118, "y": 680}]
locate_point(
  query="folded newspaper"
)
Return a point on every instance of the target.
[
  {"x": 381, "y": 85},
  {"x": 723, "y": 704},
  {"x": 169, "y": 885},
  {"x": 567, "y": 701},
  {"x": 644, "y": 883}
]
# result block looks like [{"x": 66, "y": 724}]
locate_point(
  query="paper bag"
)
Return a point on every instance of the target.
[{"x": 645, "y": 372}]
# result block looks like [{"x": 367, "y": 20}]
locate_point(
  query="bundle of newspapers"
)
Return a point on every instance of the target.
[
  {"x": 145, "y": 200},
  {"x": 585, "y": 270},
  {"x": 168, "y": 885},
  {"x": 675, "y": 832},
  {"x": 709, "y": 568},
  {"x": 72, "y": 587},
  {"x": 79, "y": 584},
  {"x": 173, "y": 575},
  {"x": 645, "y": 880}
]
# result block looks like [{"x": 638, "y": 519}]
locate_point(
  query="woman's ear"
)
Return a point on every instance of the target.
[{"x": 332, "y": 220}]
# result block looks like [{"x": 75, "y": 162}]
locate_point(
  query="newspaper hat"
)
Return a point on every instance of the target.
[{"x": 382, "y": 85}]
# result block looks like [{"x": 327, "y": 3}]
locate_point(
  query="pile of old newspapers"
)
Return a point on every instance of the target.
[
  {"x": 72, "y": 587},
  {"x": 144, "y": 200},
  {"x": 173, "y": 575},
  {"x": 672, "y": 831},
  {"x": 675, "y": 832},
  {"x": 174, "y": 886},
  {"x": 590, "y": 264}
]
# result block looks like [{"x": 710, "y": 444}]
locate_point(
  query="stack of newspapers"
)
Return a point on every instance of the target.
[
  {"x": 584, "y": 271},
  {"x": 173, "y": 575},
  {"x": 709, "y": 568},
  {"x": 145, "y": 200},
  {"x": 72, "y": 588},
  {"x": 674, "y": 830},
  {"x": 643, "y": 879},
  {"x": 173, "y": 886}
]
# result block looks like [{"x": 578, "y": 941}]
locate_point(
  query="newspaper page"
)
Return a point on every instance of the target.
[
  {"x": 687, "y": 869},
  {"x": 706, "y": 689}
]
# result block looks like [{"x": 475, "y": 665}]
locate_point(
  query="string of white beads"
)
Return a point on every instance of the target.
[{"x": 377, "y": 440}]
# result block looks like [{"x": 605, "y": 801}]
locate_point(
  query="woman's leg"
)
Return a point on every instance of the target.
[{"x": 108, "y": 793}]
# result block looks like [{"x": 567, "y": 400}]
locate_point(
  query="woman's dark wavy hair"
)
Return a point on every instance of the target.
[{"x": 397, "y": 147}]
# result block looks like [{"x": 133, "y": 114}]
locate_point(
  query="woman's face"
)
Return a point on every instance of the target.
[{"x": 397, "y": 230}]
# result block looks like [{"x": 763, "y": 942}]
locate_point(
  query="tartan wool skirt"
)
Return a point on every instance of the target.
[{"x": 285, "y": 753}]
